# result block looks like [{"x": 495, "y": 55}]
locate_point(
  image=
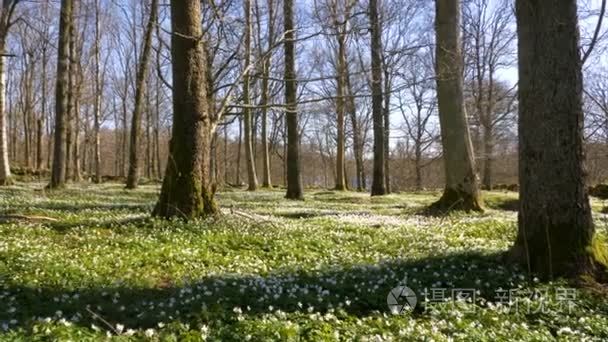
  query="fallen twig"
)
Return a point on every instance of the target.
[{"x": 7, "y": 218}]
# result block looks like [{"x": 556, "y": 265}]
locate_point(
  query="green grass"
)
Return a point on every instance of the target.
[{"x": 271, "y": 269}]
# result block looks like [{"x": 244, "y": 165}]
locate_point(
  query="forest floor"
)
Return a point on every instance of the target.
[{"x": 270, "y": 269}]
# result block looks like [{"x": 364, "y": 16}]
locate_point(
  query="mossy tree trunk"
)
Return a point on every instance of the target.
[
  {"x": 555, "y": 225},
  {"x": 185, "y": 191},
  {"x": 294, "y": 177},
  {"x": 58, "y": 171},
  {"x": 140, "y": 84},
  {"x": 461, "y": 184}
]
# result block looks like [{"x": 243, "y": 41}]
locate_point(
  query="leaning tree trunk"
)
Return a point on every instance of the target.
[
  {"x": 133, "y": 174},
  {"x": 61, "y": 95},
  {"x": 185, "y": 192},
  {"x": 461, "y": 183},
  {"x": 378, "y": 180},
  {"x": 555, "y": 225},
  {"x": 294, "y": 178}
]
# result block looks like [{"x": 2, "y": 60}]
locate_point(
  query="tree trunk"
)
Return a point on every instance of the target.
[
  {"x": 5, "y": 170},
  {"x": 61, "y": 95},
  {"x": 252, "y": 178},
  {"x": 386, "y": 113},
  {"x": 140, "y": 85},
  {"x": 357, "y": 145},
  {"x": 294, "y": 177},
  {"x": 267, "y": 62},
  {"x": 185, "y": 191},
  {"x": 379, "y": 180},
  {"x": 237, "y": 178},
  {"x": 555, "y": 226},
  {"x": 461, "y": 189},
  {"x": 488, "y": 147},
  {"x": 97, "y": 104},
  {"x": 340, "y": 113}
]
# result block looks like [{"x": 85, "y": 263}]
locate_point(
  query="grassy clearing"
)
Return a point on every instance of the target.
[{"x": 318, "y": 270}]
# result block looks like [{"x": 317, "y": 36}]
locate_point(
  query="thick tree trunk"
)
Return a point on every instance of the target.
[
  {"x": 379, "y": 180},
  {"x": 252, "y": 178},
  {"x": 461, "y": 190},
  {"x": 140, "y": 84},
  {"x": 61, "y": 95},
  {"x": 555, "y": 225},
  {"x": 186, "y": 192},
  {"x": 294, "y": 177}
]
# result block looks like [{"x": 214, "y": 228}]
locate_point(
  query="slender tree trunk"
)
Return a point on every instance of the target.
[
  {"x": 357, "y": 146},
  {"x": 140, "y": 85},
  {"x": 76, "y": 176},
  {"x": 294, "y": 177},
  {"x": 266, "y": 66},
  {"x": 488, "y": 147},
  {"x": 556, "y": 229},
  {"x": 340, "y": 113},
  {"x": 185, "y": 191},
  {"x": 5, "y": 170},
  {"x": 252, "y": 178},
  {"x": 61, "y": 95},
  {"x": 386, "y": 114},
  {"x": 238, "y": 154},
  {"x": 379, "y": 180},
  {"x": 97, "y": 104},
  {"x": 461, "y": 189}
]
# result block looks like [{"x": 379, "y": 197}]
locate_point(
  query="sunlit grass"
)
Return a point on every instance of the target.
[{"x": 267, "y": 269}]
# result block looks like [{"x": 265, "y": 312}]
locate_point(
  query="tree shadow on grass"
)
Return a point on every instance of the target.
[{"x": 360, "y": 290}]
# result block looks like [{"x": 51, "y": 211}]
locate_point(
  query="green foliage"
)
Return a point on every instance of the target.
[{"x": 265, "y": 270}]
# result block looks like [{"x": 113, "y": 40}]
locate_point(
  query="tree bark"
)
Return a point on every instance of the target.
[
  {"x": 461, "y": 190},
  {"x": 379, "y": 180},
  {"x": 185, "y": 192},
  {"x": 5, "y": 170},
  {"x": 140, "y": 85},
  {"x": 294, "y": 177},
  {"x": 386, "y": 114},
  {"x": 97, "y": 104},
  {"x": 252, "y": 178},
  {"x": 556, "y": 230},
  {"x": 61, "y": 95},
  {"x": 340, "y": 112}
]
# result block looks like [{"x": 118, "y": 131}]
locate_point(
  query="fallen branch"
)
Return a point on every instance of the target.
[{"x": 8, "y": 218}]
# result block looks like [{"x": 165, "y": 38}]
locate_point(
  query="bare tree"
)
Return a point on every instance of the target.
[
  {"x": 294, "y": 180},
  {"x": 140, "y": 85},
  {"x": 378, "y": 182},
  {"x": 252, "y": 178},
  {"x": 61, "y": 95},
  {"x": 461, "y": 183}
]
